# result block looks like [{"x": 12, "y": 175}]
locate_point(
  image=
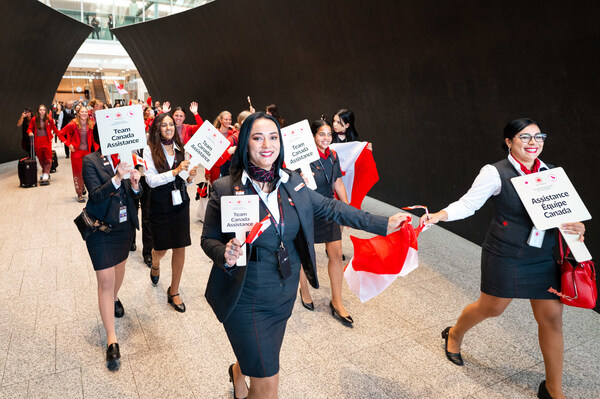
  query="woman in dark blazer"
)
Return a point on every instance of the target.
[
  {"x": 111, "y": 201},
  {"x": 510, "y": 266},
  {"x": 254, "y": 302}
]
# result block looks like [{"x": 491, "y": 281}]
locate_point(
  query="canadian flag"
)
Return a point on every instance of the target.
[
  {"x": 358, "y": 169},
  {"x": 139, "y": 161},
  {"x": 120, "y": 88},
  {"x": 378, "y": 261},
  {"x": 258, "y": 229}
]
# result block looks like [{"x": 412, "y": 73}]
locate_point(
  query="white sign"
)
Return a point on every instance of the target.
[
  {"x": 239, "y": 213},
  {"x": 300, "y": 149},
  {"x": 205, "y": 147},
  {"x": 551, "y": 200},
  {"x": 121, "y": 130}
]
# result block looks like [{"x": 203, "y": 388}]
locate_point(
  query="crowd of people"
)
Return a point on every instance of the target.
[{"x": 254, "y": 302}]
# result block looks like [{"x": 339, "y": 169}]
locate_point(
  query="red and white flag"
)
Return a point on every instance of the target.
[
  {"x": 258, "y": 229},
  {"x": 137, "y": 160},
  {"x": 120, "y": 88},
  {"x": 378, "y": 261},
  {"x": 358, "y": 169}
]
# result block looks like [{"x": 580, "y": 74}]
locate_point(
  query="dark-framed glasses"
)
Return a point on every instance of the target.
[{"x": 526, "y": 137}]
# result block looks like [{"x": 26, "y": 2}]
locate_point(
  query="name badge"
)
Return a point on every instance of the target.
[
  {"x": 536, "y": 238},
  {"x": 122, "y": 214},
  {"x": 176, "y": 196}
]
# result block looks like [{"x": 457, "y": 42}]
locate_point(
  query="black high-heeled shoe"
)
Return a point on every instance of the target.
[
  {"x": 181, "y": 307},
  {"x": 112, "y": 356},
  {"x": 346, "y": 320},
  {"x": 455, "y": 358},
  {"x": 233, "y": 382},
  {"x": 119, "y": 309},
  {"x": 154, "y": 279},
  {"x": 543, "y": 392},
  {"x": 307, "y": 305}
]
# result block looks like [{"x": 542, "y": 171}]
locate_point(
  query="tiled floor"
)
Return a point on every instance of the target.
[{"x": 52, "y": 341}]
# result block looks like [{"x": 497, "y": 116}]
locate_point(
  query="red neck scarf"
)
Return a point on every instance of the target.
[
  {"x": 535, "y": 169},
  {"x": 324, "y": 155}
]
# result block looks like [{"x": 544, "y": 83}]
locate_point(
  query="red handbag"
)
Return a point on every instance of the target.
[{"x": 578, "y": 283}]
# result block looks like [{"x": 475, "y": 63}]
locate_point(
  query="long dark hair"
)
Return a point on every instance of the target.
[
  {"x": 272, "y": 109},
  {"x": 38, "y": 123},
  {"x": 240, "y": 159},
  {"x": 514, "y": 127},
  {"x": 346, "y": 116},
  {"x": 154, "y": 137}
]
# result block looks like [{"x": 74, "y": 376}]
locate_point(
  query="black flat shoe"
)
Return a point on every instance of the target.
[
  {"x": 455, "y": 358},
  {"x": 543, "y": 392},
  {"x": 154, "y": 279},
  {"x": 112, "y": 357},
  {"x": 347, "y": 320},
  {"x": 148, "y": 260},
  {"x": 232, "y": 381},
  {"x": 180, "y": 308},
  {"x": 307, "y": 305},
  {"x": 119, "y": 309}
]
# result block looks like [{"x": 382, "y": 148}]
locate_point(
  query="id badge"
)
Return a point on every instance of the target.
[
  {"x": 122, "y": 214},
  {"x": 536, "y": 238},
  {"x": 176, "y": 196},
  {"x": 285, "y": 265}
]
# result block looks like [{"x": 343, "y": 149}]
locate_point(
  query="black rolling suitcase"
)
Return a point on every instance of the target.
[
  {"x": 28, "y": 169},
  {"x": 54, "y": 162}
]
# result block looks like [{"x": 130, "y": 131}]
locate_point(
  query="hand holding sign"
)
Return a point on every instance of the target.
[
  {"x": 239, "y": 213},
  {"x": 121, "y": 131},
  {"x": 300, "y": 149},
  {"x": 205, "y": 147}
]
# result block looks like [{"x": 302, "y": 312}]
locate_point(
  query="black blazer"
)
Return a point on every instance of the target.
[
  {"x": 224, "y": 287},
  {"x": 104, "y": 198}
]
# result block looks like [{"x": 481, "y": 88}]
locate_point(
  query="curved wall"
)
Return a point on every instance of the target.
[
  {"x": 432, "y": 83},
  {"x": 37, "y": 46}
]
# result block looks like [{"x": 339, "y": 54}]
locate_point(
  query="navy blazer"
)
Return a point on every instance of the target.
[
  {"x": 104, "y": 198},
  {"x": 224, "y": 287}
]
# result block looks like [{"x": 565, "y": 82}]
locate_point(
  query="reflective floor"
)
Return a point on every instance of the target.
[{"x": 52, "y": 340}]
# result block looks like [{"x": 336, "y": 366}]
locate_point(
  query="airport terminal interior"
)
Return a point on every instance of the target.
[{"x": 52, "y": 340}]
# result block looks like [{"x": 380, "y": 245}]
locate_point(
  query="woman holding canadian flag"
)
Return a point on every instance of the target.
[
  {"x": 513, "y": 265},
  {"x": 255, "y": 301}
]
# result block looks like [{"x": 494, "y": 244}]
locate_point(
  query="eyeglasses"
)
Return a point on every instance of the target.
[{"x": 526, "y": 137}]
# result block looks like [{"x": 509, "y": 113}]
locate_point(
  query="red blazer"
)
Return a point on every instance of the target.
[
  {"x": 188, "y": 130},
  {"x": 215, "y": 172},
  {"x": 50, "y": 127},
  {"x": 71, "y": 135}
]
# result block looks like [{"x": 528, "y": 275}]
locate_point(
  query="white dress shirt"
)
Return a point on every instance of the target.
[
  {"x": 155, "y": 179},
  {"x": 486, "y": 184}
]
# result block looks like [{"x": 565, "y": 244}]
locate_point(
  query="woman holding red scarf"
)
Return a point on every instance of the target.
[
  {"x": 328, "y": 176},
  {"x": 78, "y": 136},
  {"x": 510, "y": 266},
  {"x": 41, "y": 128}
]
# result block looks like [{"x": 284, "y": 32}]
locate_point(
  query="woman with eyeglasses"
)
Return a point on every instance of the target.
[
  {"x": 510, "y": 267},
  {"x": 169, "y": 201},
  {"x": 328, "y": 176}
]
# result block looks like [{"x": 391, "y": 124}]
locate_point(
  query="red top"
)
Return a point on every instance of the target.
[
  {"x": 50, "y": 127},
  {"x": 187, "y": 131},
  {"x": 70, "y": 135},
  {"x": 215, "y": 172}
]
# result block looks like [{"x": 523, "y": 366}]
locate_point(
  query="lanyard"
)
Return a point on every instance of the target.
[
  {"x": 325, "y": 172},
  {"x": 279, "y": 227}
]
